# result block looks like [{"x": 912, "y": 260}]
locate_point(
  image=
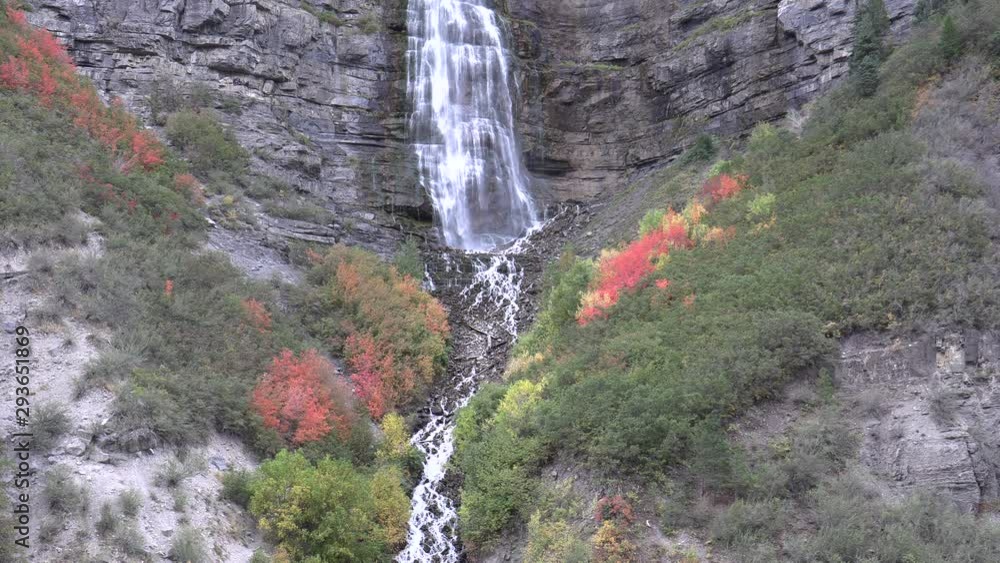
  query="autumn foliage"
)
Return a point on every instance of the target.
[
  {"x": 616, "y": 509},
  {"x": 723, "y": 186},
  {"x": 301, "y": 398},
  {"x": 392, "y": 333},
  {"x": 38, "y": 65},
  {"x": 632, "y": 266},
  {"x": 256, "y": 315}
]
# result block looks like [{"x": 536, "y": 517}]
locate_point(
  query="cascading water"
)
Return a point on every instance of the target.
[
  {"x": 494, "y": 291},
  {"x": 462, "y": 126},
  {"x": 462, "y": 123}
]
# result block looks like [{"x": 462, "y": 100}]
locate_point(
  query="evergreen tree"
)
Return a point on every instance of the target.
[
  {"x": 950, "y": 43},
  {"x": 871, "y": 22}
]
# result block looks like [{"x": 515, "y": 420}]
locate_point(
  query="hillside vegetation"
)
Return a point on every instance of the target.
[
  {"x": 878, "y": 215},
  {"x": 193, "y": 347}
]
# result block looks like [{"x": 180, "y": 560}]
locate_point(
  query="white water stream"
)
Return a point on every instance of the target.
[
  {"x": 462, "y": 124},
  {"x": 462, "y": 128},
  {"x": 496, "y": 286}
]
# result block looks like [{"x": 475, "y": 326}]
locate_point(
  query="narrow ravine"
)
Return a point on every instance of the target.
[{"x": 486, "y": 309}]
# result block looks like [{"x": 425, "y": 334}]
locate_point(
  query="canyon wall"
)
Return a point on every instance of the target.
[
  {"x": 316, "y": 90},
  {"x": 610, "y": 88}
]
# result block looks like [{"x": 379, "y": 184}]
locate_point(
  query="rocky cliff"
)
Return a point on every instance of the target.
[
  {"x": 933, "y": 407},
  {"x": 316, "y": 89},
  {"x": 612, "y": 88}
]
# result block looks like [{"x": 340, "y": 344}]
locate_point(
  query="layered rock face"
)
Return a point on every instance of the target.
[
  {"x": 318, "y": 87},
  {"x": 314, "y": 90},
  {"x": 609, "y": 88},
  {"x": 933, "y": 407}
]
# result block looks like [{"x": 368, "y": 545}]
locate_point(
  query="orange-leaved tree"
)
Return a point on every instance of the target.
[
  {"x": 303, "y": 399},
  {"x": 393, "y": 334}
]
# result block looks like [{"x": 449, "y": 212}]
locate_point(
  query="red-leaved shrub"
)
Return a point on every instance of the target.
[
  {"x": 393, "y": 334},
  {"x": 631, "y": 267},
  {"x": 38, "y": 65},
  {"x": 302, "y": 398}
]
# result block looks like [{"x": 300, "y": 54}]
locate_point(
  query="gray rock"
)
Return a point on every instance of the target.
[
  {"x": 219, "y": 464},
  {"x": 627, "y": 84},
  {"x": 911, "y": 446},
  {"x": 74, "y": 446},
  {"x": 98, "y": 456},
  {"x": 84, "y": 433}
]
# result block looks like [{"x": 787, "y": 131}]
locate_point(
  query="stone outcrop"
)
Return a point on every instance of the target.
[
  {"x": 933, "y": 410},
  {"x": 612, "y": 88}
]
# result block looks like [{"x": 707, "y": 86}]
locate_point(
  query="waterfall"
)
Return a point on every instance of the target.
[
  {"x": 462, "y": 128},
  {"x": 462, "y": 123}
]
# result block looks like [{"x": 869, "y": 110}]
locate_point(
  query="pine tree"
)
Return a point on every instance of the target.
[
  {"x": 871, "y": 22},
  {"x": 950, "y": 43}
]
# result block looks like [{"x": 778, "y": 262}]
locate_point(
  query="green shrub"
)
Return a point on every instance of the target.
[
  {"x": 173, "y": 473},
  {"x": 748, "y": 520},
  {"x": 703, "y": 150},
  {"x": 497, "y": 453},
  {"x": 39, "y": 184},
  {"x": 167, "y": 97},
  {"x": 855, "y": 523},
  {"x": 107, "y": 523},
  {"x": 819, "y": 446},
  {"x": 993, "y": 45},
  {"x": 554, "y": 542},
  {"x": 205, "y": 143},
  {"x": 951, "y": 40},
  {"x": 870, "y": 26},
  {"x": 564, "y": 285},
  {"x": 188, "y": 546},
  {"x": 204, "y": 369},
  {"x": 131, "y": 541},
  {"x": 130, "y": 502},
  {"x": 369, "y": 24},
  {"x": 326, "y": 16},
  {"x": 872, "y": 402},
  {"x": 408, "y": 260},
  {"x": 180, "y": 500},
  {"x": 236, "y": 487},
  {"x": 48, "y": 423},
  {"x": 333, "y": 510},
  {"x": 63, "y": 493},
  {"x": 114, "y": 365}
]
